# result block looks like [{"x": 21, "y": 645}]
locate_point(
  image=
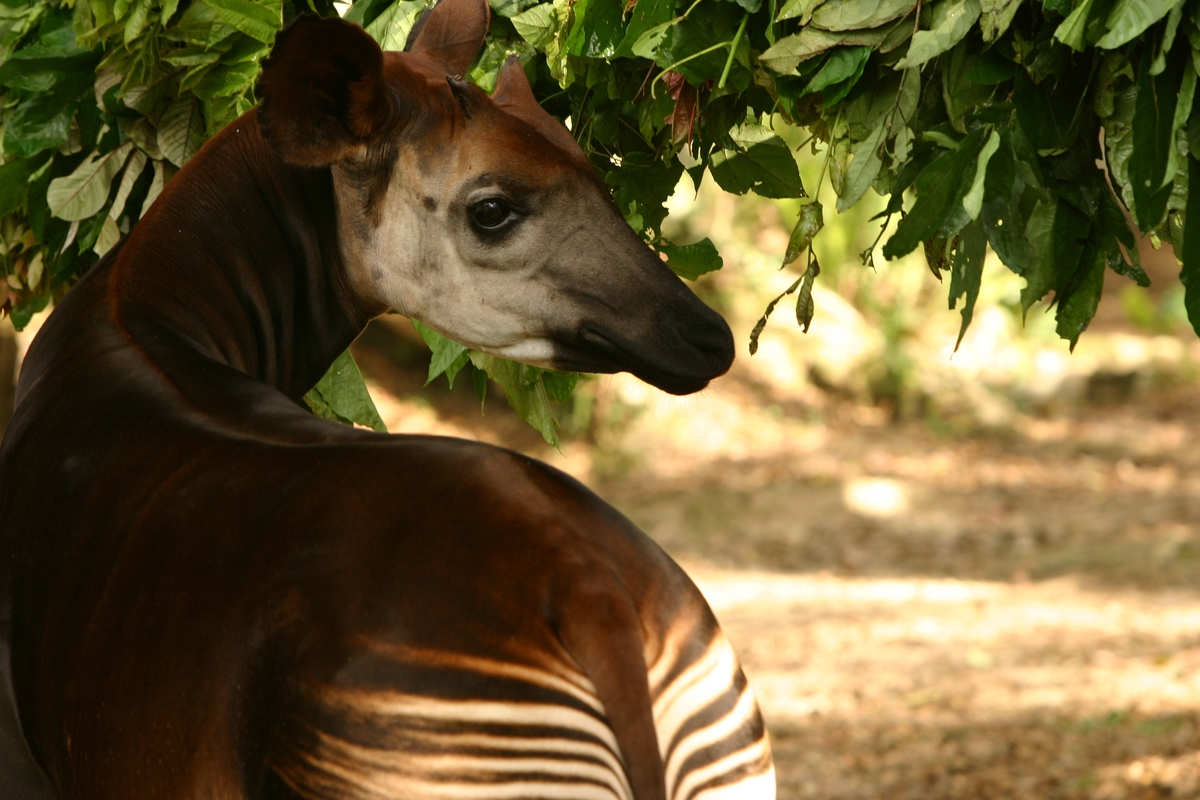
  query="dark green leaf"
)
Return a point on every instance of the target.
[
  {"x": 1001, "y": 211},
  {"x": 560, "y": 385},
  {"x": 37, "y": 124},
  {"x": 1049, "y": 112},
  {"x": 692, "y": 260},
  {"x": 646, "y": 181},
  {"x": 1153, "y": 140},
  {"x": 966, "y": 273},
  {"x": 759, "y": 161},
  {"x": 940, "y": 188},
  {"x": 647, "y": 15},
  {"x": 24, "y": 310},
  {"x": 1189, "y": 275},
  {"x": 598, "y": 29},
  {"x": 1078, "y": 308},
  {"x": 843, "y": 63},
  {"x": 525, "y": 391},
  {"x": 710, "y": 24},
  {"x": 1040, "y": 277},
  {"x": 448, "y": 355},
  {"x": 14, "y": 184},
  {"x": 342, "y": 396}
]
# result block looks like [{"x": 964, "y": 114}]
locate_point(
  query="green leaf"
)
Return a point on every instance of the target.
[
  {"x": 996, "y": 17},
  {"x": 1072, "y": 31},
  {"x": 14, "y": 184},
  {"x": 133, "y": 171},
  {"x": 804, "y": 301},
  {"x": 952, "y": 19},
  {"x": 866, "y": 159},
  {"x": 1051, "y": 118},
  {"x": 598, "y": 29},
  {"x": 227, "y": 79},
  {"x": 39, "y": 123},
  {"x": 966, "y": 274},
  {"x": 342, "y": 396},
  {"x": 1130, "y": 18},
  {"x": 181, "y": 130},
  {"x": 784, "y": 56},
  {"x": 644, "y": 182},
  {"x": 448, "y": 355},
  {"x": 1078, "y": 308},
  {"x": 1153, "y": 141},
  {"x": 137, "y": 20},
  {"x": 855, "y": 15},
  {"x": 259, "y": 20},
  {"x": 1189, "y": 274},
  {"x": 798, "y": 9},
  {"x": 525, "y": 391},
  {"x": 692, "y": 260},
  {"x": 808, "y": 225},
  {"x": 537, "y": 25},
  {"x": 940, "y": 187},
  {"x": 84, "y": 192},
  {"x": 759, "y": 161},
  {"x": 559, "y": 385},
  {"x": 973, "y": 200},
  {"x": 392, "y": 26},
  {"x": 1040, "y": 276},
  {"x": 707, "y": 31},
  {"x": 843, "y": 63},
  {"x": 510, "y": 8}
]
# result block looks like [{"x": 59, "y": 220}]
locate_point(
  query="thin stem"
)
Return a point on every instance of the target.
[
  {"x": 733, "y": 46},
  {"x": 683, "y": 61}
]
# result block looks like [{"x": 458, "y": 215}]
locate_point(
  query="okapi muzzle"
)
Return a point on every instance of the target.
[{"x": 480, "y": 216}]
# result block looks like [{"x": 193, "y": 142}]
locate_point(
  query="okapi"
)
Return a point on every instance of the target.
[{"x": 207, "y": 592}]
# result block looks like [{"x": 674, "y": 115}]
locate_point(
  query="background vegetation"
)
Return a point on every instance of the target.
[{"x": 1050, "y": 132}]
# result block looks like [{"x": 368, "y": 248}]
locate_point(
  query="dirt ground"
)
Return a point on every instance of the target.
[{"x": 1008, "y": 614}]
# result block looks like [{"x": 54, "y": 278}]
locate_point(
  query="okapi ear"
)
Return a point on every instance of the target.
[
  {"x": 323, "y": 91},
  {"x": 514, "y": 96},
  {"x": 451, "y": 34}
]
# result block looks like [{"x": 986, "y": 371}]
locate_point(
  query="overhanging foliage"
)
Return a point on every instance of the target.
[{"x": 1049, "y": 131}]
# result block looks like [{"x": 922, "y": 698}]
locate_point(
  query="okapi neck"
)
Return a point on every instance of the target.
[{"x": 238, "y": 262}]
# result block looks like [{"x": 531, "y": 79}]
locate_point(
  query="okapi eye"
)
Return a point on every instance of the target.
[{"x": 490, "y": 213}]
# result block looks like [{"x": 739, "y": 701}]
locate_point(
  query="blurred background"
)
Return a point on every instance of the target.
[{"x": 968, "y": 573}]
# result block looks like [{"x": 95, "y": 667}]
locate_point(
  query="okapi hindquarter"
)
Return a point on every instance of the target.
[{"x": 206, "y": 592}]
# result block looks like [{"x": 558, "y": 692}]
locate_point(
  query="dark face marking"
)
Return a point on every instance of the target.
[{"x": 430, "y": 204}]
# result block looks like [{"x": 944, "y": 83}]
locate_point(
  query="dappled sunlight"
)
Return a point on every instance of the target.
[{"x": 935, "y": 679}]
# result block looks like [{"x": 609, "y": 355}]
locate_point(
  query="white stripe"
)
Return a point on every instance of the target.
[
  {"x": 695, "y": 689},
  {"x": 755, "y": 787},
  {"x": 610, "y": 773},
  {"x": 723, "y": 766},
  {"x": 473, "y": 712},
  {"x": 745, "y": 710},
  {"x": 574, "y": 747},
  {"x": 391, "y": 786}
]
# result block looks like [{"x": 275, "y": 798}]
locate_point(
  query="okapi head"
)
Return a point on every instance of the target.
[{"x": 479, "y": 216}]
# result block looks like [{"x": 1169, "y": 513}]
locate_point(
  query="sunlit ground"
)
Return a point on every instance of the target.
[{"x": 949, "y": 574}]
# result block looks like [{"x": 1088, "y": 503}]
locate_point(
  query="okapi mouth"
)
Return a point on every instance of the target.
[{"x": 679, "y": 364}]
